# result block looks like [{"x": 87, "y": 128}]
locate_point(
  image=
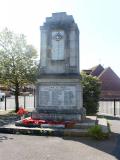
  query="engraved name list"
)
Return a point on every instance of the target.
[{"x": 57, "y": 95}]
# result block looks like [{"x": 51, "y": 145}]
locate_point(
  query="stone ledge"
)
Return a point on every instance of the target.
[
  {"x": 58, "y": 111},
  {"x": 12, "y": 129}
]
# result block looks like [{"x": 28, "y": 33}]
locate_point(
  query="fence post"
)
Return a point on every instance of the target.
[
  {"x": 114, "y": 108},
  {"x": 24, "y": 101},
  {"x": 5, "y": 104},
  {"x": 34, "y": 96}
]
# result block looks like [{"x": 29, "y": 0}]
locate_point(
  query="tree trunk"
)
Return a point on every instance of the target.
[{"x": 16, "y": 97}]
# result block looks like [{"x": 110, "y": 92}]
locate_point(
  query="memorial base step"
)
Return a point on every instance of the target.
[{"x": 56, "y": 116}]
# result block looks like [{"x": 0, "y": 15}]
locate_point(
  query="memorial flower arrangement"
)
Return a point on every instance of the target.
[
  {"x": 21, "y": 112},
  {"x": 29, "y": 120},
  {"x": 39, "y": 122}
]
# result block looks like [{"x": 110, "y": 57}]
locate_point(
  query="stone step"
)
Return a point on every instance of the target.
[
  {"x": 76, "y": 132},
  {"x": 83, "y": 125},
  {"x": 12, "y": 129}
]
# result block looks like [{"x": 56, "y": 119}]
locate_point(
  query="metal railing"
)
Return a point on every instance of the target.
[
  {"x": 105, "y": 107},
  {"x": 110, "y": 107},
  {"x": 27, "y": 102}
]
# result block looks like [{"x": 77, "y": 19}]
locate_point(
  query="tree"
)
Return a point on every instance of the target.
[
  {"x": 17, "y": 62},
  {"x": 91, "y": 93}
]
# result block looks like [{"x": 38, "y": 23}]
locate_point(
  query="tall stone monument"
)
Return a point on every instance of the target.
[{"x": 58, "y": 90}]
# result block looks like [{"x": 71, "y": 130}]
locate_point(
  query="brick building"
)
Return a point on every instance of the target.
[{"x": 110, "y": 82}]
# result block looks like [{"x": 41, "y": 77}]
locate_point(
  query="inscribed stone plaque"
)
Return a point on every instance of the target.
[
  {"x": 57, "y": 95},
  {"x": 58, "y": 45}
]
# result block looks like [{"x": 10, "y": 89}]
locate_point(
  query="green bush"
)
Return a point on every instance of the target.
[
  {"x": 91, "y": 93},
  {"x": 96, "y": 133}
]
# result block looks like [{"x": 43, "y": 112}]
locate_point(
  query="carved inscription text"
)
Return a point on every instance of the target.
[{"x": 57, "y": 95}]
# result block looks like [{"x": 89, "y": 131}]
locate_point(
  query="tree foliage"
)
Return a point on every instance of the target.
[
  {"x": 17, "y": 61},
  {"x": 91, "y": 93}
]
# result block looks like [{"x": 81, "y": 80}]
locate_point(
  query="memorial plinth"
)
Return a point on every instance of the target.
[{"x": 58, "y": 89}]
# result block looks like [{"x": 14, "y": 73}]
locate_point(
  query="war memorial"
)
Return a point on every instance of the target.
[{"x": 58, "y": 89}]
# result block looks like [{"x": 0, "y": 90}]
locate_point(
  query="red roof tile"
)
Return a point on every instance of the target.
[
  {"x": 110, "y": 82},
  {"x": 96, "y": 71}
]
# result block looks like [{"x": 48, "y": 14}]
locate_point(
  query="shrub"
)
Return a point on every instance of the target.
[
  {"x": 96, "y": 133},
  {"x": 91, "y": 93}
]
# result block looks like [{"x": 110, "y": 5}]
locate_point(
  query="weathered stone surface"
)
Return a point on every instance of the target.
[
  {"x": 59, "y": 92},
  {"x": 57, "y": 116},
  {"x": 59, "y": 45},
  {"x": 53, "y": 95}
]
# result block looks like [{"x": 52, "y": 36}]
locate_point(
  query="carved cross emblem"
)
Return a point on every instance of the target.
[{"x": 58, "y": 36}]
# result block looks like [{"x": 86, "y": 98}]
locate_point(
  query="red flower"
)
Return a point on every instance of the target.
[
  {"x": 22, "y": 111},
  {"x": 32, "y": 121},
  {"x": 29, "y": 120}
]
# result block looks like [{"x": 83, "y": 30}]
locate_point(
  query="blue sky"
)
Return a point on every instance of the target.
[{"x": 98, "y": 22}]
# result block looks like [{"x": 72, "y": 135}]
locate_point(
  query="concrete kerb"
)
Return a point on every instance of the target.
[
  {"x": 12, "y": 129},
  {"x": 108, "y": 116}
]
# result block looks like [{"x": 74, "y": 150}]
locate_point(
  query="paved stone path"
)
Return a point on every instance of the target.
[{"x": 22, "y": 147}]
